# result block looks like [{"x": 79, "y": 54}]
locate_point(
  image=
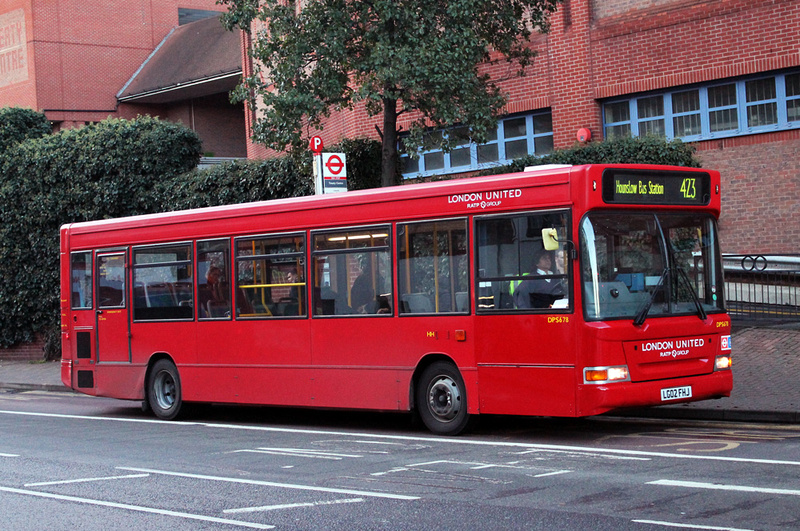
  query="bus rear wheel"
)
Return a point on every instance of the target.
[
  {"x": 164, "y": 390},
  {"x": 441, "y": 399}
]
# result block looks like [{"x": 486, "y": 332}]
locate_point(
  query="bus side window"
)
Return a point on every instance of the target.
[
  {"x": 213, "y": 279},
  {"x": 515, "y": 271},
  {"x": 352, "y": 272},
  {"x": 270, "y": 276},
  {"x": 81, "y": 275},
  {"x": 433, "y": 267},
  {"x": 163, "y": 280}
]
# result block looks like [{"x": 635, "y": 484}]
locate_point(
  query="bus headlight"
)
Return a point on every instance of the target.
[
  {"x": 722, "y": 362},
  {"x": 601, "y": 375}
]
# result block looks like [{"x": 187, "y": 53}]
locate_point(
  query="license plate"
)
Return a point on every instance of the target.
[{"x": 676, "y": 393}]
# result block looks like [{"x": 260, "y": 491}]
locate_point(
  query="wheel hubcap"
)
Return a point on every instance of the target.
[
  {"x": 444, "y": 398},
  {"x": 164, "y": 390}
]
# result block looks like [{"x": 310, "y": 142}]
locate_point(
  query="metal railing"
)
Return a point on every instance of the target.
[{"x": 762, "y": 286}]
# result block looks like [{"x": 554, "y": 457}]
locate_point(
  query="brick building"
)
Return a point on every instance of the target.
[
  {"x": 721, "y": 74},
  {"x": 83, "y": 62}
]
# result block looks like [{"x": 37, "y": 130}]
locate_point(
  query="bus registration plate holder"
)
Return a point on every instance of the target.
[{"x": 676, "y": 393}]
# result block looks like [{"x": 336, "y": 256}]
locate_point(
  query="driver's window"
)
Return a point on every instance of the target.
[{"x": 515, "y": 271}]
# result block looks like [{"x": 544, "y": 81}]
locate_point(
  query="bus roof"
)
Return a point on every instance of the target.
[
  {"x": 313, "y": 202},
  {"x": 536, "y": 176}
]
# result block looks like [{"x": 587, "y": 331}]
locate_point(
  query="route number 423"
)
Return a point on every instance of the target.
[{"x": 688, "y": 189}]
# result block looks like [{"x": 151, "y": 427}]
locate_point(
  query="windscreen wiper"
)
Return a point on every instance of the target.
[
  {"x": 642, "y": 315},
  {"x": 701, "y": 312}
]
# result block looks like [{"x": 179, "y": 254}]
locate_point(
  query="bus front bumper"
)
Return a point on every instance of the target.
[{"x": 597, "y": 399}]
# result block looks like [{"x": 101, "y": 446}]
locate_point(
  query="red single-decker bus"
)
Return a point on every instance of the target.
[{"x": 559, "y": 291}]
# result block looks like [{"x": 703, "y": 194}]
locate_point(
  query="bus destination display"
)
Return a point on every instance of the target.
[{"x": 656, "y": 188}]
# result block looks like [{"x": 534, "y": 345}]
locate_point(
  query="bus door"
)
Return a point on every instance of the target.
[
  {"x": 525, "y": 327},
  {"x": 112, "y": 326},
  {"x": 83, "y": 321}
]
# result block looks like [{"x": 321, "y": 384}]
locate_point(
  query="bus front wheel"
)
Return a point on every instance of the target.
[
  {"x": 441, "y": 399},
  {"x": 164, "y": 390}
]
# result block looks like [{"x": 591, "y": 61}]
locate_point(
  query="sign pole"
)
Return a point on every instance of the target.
[{"x": 316, "y": 146}]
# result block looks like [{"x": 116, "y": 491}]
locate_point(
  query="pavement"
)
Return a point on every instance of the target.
[{"x": 766, "y": 379}]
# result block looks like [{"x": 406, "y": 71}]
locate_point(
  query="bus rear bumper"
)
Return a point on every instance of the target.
[{"x": 597, "y": 399}]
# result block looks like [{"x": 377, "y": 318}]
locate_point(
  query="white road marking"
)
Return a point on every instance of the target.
[
  {"x": 309, "y": 452},
  {"x": 392, "y": 471},
  {"x": 431, "y": 440},
  {"x": 84, "y": 480},
  {"x": 717, "y": 486},
  {"x": 689, "y": 526},
  {"x": 89, "y": 417},
  {"x": 556, "y": 473},
  {"x": 284, "y": 454},
  {"x": 9, "y": 455},
  {"x": 316, "y": 454},
  {"x": 598, "y": 453},
  {"x": 367, "y": 494},
  {"x": 474, "y": 466},
  {"x": 290, "y": 506},
  {"x": 471, "y": 464},
  {"x": 378, "y": 442},
  {"x": 137, "y": 508}
]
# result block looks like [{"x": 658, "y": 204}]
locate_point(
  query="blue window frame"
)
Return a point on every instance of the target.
[
  {"x": 516, "y": 136},
  {"x": 714, "y": 110}
]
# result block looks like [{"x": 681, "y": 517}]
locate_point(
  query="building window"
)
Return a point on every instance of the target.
[
  {"x": 516, "y": 136},
  {"x": 792, "y": 89},
  {"x": 718, "y": 110},
  {"x": 722, "y": 114},
  {"x": 186, "y": 15},
  {"x": 686, "y": 113}
]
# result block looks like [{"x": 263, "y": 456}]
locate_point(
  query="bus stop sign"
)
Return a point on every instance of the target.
[
  {"x": 333, "y": 164},
  {"x": 330, "y": 171}
]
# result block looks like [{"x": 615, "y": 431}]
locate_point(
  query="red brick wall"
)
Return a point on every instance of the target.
[
  {"x": 704, "y": 40},
  {"x": 572, "y": 85},
  {"x": 625, "y": 46},
  {"x": 760, "y": 191},
  {"x": 609, "y": 8},
  {"x": 80, "y": 54},
  {"x": 219, "y": 124},
  {"x": 603, "y": 48},
  {"x": 29, "y": 351}
]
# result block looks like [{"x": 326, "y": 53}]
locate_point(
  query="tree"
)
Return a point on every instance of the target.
[{"x": 392, "y": 56}]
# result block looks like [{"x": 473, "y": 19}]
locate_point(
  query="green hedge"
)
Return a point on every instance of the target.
[
  {"x": 235, "y": 182},
  {"x": 17, "y": 124},
  {"x": 261, "y": 180},
  {"x": 639, "y": 150},
  {"x": 110, "y": 169}
]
